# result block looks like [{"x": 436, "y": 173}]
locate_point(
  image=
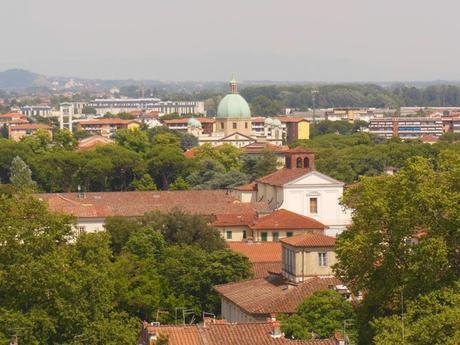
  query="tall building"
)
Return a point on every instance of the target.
[{"x": 406, "y": 127}]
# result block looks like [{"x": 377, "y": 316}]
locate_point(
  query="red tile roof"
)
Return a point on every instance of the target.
[
  {"x": 249, "y": 187},
  {"x": 93, "y": 141},
  {"x": 227, "y": 219},
  {"x": 263, "y": 269},
  {"x": 284, "y": 219},
  {"x": 290, "y": 118},
  {"x": 258, "y": 251},
  {"x": 223, "y": 333},
  {"x": 257, "y": 148},
  {"x": 135, "y": 204},
  {"x": 274, "y": 294},
  {"x": 29, "y": 126},
  {"x": 283, "y": 176},
  {"x": 12, "y": 116},
  {"x": 309, "y": 240}
]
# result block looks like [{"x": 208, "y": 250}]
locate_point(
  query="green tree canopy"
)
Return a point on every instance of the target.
[{"x": 21, "y": 175}]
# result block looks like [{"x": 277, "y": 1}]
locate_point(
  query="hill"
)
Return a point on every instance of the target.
[{"x": 20, "y": 79}]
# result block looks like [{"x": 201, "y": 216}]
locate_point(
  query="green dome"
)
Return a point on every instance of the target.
[
  {"x": 194, "y": 123},
  {"x": 233, "y": 106},
  {"x": 276, "y": 123}
]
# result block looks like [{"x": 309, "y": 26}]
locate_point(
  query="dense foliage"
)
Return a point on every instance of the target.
[
  {"x": 319, "y": 316},
  {"x": 59, "y": 289},
  {"x": 403, "y": 243}
]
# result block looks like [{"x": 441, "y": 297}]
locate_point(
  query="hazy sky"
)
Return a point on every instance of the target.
[{"x": 322, "y": 40}]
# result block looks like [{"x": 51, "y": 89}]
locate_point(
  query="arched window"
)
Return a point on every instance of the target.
[
  {"x": 299, "y": 162},
  {"x": 306, "y": 162},
  {"x": 288, "y": 162}
]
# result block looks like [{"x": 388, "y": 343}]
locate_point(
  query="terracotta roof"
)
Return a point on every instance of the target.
[
  {"x": 428, "y": 138},
  {"x": 249, "y": 187},
  {"x": 185, "y": 120},
  {"x": 258, "y": 251},
  {"x": 104, "y": 121},
  {"x": 12, "y": 116},
  {"x": 290, "y": 118},
  {"x": 135, "y": 204},
  {"x": 29, "y": 126},
  {"x": 258, "y": 147},
  {"x": 93, "y": 141},
  {"x": 263, "y": 269},
  {"x": 273, "y": 294},
  {"x": 223, "y": 333},
  {"x": 227, "y": 219},
  {"x": 300, "y": 149},
  {"x": 284, "y": 219},
  {"x": 309, "y": 240},
  {"x": 283, "y": 176}
]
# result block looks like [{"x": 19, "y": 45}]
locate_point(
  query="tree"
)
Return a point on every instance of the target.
[
  {"x": 226, "y": 154},
  {"x": 64, "y": 139},
  {"x": 376, "y": 254},
  {"x": 4, "y": 133},
  {"x": 179, "y": 184},
  {"x": 432, "y": 319},
  {"x": 133, "y": 139},
  {"x": 21, "y": 176},
  {"x": 259, "y": 166},
  {"x": 87, "y": 110},
  {"x": 319, "y": 315},
  {"x": 120, "y": 229},
  {"x": 39, "y": 141},
  {"x": 179, "y": 227},
  {"x": 145, "y": 183},
  {"x": 264, "y": 106}
]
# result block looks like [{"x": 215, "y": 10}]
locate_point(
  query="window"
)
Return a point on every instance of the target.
[
  {"x": 288, "y": 162},
  {"x": 289, "y": 234},
  {"x": 244, "y": 234},
  {"x": 299, "y": 162},
  {"x": 275, "y": 236},
  {"x": 234, "y": 125},
  {"x": 221, "y": 125},
  {"x": 263, "y": 236},
  {"x": 314, "y": 205},
  {"x": 229, "y": 235},
  {"x": 322, "y": 257},
  {"x": 81, "y": 230},
  {"x": 246, "y": 125},
  {"x": 306, "y": 162}
]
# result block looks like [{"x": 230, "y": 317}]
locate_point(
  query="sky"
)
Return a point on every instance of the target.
[{"x": 289, "y": 40}]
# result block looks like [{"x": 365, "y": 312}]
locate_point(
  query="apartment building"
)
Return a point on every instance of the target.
[{"x": 406, "y": 127}]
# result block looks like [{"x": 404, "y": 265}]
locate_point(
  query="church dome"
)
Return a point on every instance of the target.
[
  {"x": 192, "y": 122},
  {"x": 233, "y": 106},
  {"x": 276, "y": 123},
  {"x": 268, "y": 121}
]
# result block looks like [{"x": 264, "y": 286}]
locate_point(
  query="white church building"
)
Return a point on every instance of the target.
[{"x": 299, "y": 188}]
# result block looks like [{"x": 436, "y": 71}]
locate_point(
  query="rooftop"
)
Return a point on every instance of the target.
[
  {"x": 220, "y": 332},
  {"x": 286, "y": 220},
  {"x": 283, "y": 176},
  {"x": 26, "y": 126},
  {"x": 273, "y": 294},
  {"x": 93, "y": 141},
  {"x": 136, "y": 204},
  {"x": 309, "y": 240}
]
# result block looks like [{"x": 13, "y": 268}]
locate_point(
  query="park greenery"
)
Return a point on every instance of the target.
[
  {"x": 57, "y": 288},
  {"x": 401, "y": 251}
]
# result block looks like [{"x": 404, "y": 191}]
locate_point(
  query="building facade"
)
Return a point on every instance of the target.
[{"x": 406, "y": 127}]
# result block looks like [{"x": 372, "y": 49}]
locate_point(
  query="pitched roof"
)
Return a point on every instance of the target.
[
  {"x": 93, "y": 141},
  {"x": 249, "y": 187},
  {"x": 29, "y": 126},
  {"x": 290, "y": 118},
  {"x": 273, "y": 294},
  {"x": 259, "y": 147},
  {"x": 309, "y": 240},
  {"x": 234, "y": 219},
  {"x": 258, "y": 251},
  {"x": 135, "y": 204},
  {"x": 284, "y": 219},
  {"x": 283, "y": 176},
  {"x": 223, "y": 333},
  {"x": 263, "y": 269}
]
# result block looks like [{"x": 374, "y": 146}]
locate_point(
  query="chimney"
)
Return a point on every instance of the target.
[{"x": 276, "y": 327}]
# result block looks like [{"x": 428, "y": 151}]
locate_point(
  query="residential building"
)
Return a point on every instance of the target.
[
  {"x": 12, "y": 119},
  {"x": 126, "y": 105},
  {"x": 36, "y": 110},
  {"x": 406, "y": 127},
  {"x": 295, "y": 128},
  {"x": 220, "y": 332},
  {"x": 265, "y": 257},
  {"x": 451, "y": 124},
  {"x": 19, "y": 131},
  {"x": 91, "y": 209},
  {"x": 265, "y": 226},
  {"x": 93, "y": 142},
  {"x": 306, "y": 268},
  {"x": 299, "y": 188},
  {"x": 183, "y": 124},
  {"x": 106, "y": 126}
]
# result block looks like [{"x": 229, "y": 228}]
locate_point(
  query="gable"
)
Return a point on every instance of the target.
[
  {"x": 315, "y": 178},
  {"x": 238, "y": 137}
]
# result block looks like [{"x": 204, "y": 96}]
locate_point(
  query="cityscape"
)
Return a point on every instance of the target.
[{"x": 180, "y": 192}]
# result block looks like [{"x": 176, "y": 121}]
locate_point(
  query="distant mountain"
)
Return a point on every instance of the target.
[{"x": 15, "y": 79}]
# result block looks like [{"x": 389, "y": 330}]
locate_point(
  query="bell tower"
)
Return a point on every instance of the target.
[{"x": 300, "y": 158}]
